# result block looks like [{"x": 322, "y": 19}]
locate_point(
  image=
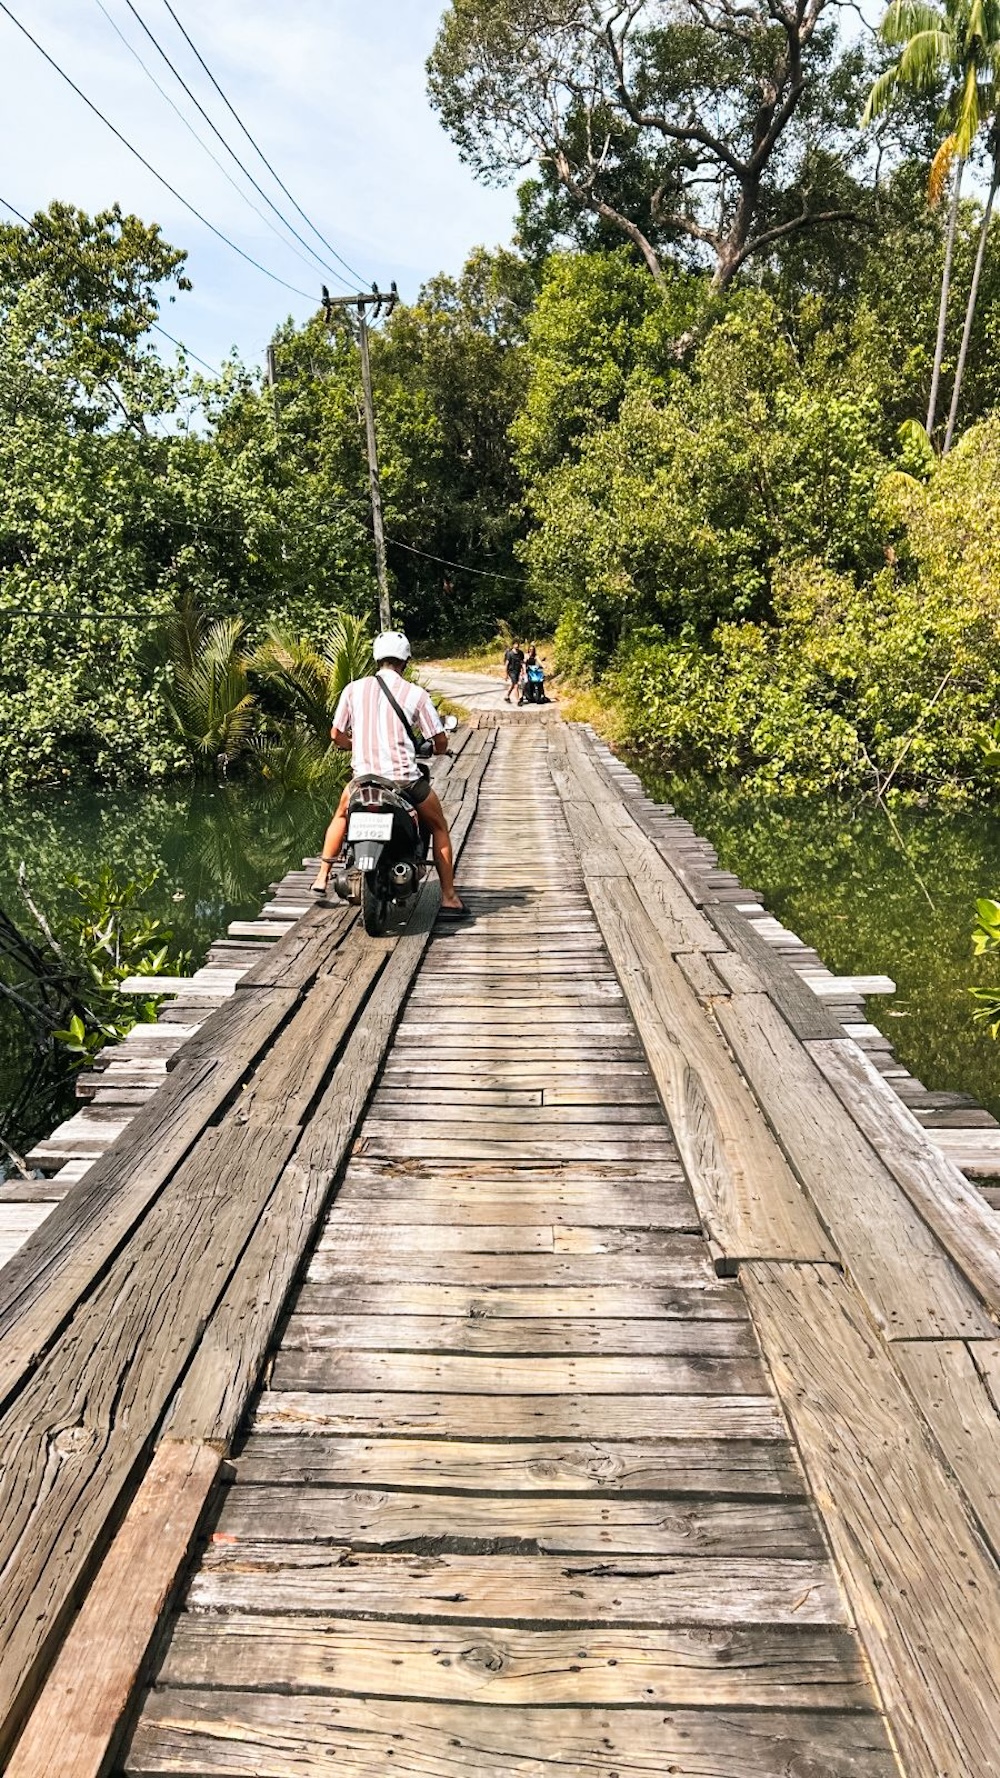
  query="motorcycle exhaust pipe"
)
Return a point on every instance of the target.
[{"x": 403, "y": 878}]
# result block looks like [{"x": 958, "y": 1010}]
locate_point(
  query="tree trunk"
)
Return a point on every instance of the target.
[
  {"x": 949, "y": 253},
  {"x": 970, "y": 309}
]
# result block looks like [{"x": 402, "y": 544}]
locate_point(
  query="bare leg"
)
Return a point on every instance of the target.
[
  {"x": 333, "y": 842},
  {"x": 433, "y": 818}
]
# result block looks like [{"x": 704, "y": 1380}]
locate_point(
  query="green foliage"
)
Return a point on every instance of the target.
[
  {"x": 677, "y": 510},
  {"x": 695, "y": 135},
  {"x": 64, "y": 974},
  {"x": 986, "y": 939},
  {"x": 209, "y": 698},
  {"x": 850, "y": 686}
]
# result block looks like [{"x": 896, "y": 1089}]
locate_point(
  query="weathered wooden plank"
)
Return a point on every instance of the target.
[
  {"x": 51, "y": 1190},
  {"x": 909, "y": 1553},
  {"x": 351, "y": 1239},
  {"x": 949, "y": 1389},
  {"x": 40, "y": 1287},
  {"x": 509, "y": 1374},
  {"x": 249, "y": 1735},
  {"x": 426, "y": 1523},
  {"x": 177, "y": 984},
  {"x": 480, "y": 1270},
  {"x": 720, "y": 1467},
  {"x": 73, "y": 1434},
  {"x": 263, "y": 1576},
  {"x": 303, "y": 950},
  {"x": 797, "y": 1002},
  {"x": 497, "y": 1334},
  {"x": 748, "y": 1197},
  {"x": 435, "y": 1111},
  {"x": 842, "y": 987},
  {"x": 453, "y": 1141},
  {"x": 757, "y": 1668},
  {"x": 714, "y": 1299},
  {"x": 77, "y": 1721},
  {"x": 974, "y": 1151},
  {"x": 950, "y": 1207},
  {"x": 290, "y": 1075},
  {"x": 912, "y": 1288},
  {"x": 521, "y": 1416}
]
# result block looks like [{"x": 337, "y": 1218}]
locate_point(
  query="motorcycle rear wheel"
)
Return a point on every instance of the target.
[{"x": 374, "y": 907}]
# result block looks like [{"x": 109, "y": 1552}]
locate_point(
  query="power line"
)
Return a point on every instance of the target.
[
  {"x": 487, "y": 573},
  {"x": 178, "y": 76},
  {"x": 148, "y": 164},
  {"x": 257, "y": 150},
  {"x": 155, "y": 324},
  {"x": 189, "y": 126},
  {"x": 186, "y": 349},
  {"x": 20, "y": 218}
]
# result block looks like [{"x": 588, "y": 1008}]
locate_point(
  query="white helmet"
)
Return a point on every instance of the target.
[{"x": 392, "y": 645}]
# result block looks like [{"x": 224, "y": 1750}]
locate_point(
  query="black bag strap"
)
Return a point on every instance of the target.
[{"x": 404, "y": 719}]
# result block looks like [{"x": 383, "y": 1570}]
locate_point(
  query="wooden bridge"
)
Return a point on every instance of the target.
[{"x": 549, "y": 1345}]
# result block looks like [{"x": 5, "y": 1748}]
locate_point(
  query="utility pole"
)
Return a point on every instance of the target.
[
  {"x": 272, "y": 381},
  {"x": 376, "y": 300}
]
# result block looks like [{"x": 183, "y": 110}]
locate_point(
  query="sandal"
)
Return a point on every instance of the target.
[{"x": 454, "y": 914}]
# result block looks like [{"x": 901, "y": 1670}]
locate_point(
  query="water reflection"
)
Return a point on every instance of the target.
[
  {"x": 216, "y": 850},
  {"x": 873, "y": 901}
]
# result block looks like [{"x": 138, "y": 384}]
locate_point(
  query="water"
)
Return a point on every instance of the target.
[
  {"x": 216, "y": 851},
  {"x": 872, "y": 903}
]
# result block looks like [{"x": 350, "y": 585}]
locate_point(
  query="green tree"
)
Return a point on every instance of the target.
[
  {"x": 959, "y": 43},
  {"x": 683, "y": 124}
]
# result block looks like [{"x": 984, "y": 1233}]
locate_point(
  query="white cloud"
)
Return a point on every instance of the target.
[{"x": 335, "y": 95}]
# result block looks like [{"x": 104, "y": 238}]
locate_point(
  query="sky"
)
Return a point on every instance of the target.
[{"x": 332, "y": 91}]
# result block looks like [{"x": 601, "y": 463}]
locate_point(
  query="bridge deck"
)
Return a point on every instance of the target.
[
  {"x": 518, "y": 1451},
  {"x": 581, "y": 1440}
]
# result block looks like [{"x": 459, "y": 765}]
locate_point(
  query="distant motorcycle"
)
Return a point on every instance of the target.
[
  {"x": 386, "y": 851},
  {"x": 533, "y": 689}
]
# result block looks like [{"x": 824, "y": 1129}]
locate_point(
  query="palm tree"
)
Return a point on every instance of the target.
[
  {"x": 960, "y": 40},
  {"x": 970, "y": 307},
  {"x": 209, "y": 699}
]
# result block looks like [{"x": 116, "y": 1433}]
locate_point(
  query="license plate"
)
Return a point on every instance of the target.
[{"x": 370, "y": 827}]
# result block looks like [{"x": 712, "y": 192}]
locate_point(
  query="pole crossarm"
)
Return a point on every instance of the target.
[{"x": 374, "y": 298}]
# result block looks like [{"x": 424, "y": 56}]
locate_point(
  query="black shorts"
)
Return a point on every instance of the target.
[{"x": 417, "y": 792}]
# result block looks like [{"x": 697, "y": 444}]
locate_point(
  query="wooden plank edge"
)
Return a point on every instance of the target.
[
  {"x": 952, "y": 1209},
  {"x": 887, "y": 1501},
  {"x": 81, "y": 1713}
]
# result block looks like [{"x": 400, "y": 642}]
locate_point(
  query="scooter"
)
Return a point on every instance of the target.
[
  {"x": 385, "y": 853},
  {"x": 533, "y": 691}
]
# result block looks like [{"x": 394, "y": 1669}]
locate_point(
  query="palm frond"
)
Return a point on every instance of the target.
[
  {"x": 966, "y": 112},
  {"x": 295, "y": 761},
  {"x": 909, "y": 18},
  {"x": 300, "y": 676},
  {"x": 881, "y": 96},
  {"x": 211, "y": 702},
  {"x": 348, "y": 652},
  {"x": 941, "y": 167},
  {"x": 926, "y": 56}
]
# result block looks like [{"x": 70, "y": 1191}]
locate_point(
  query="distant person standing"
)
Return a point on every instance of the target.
[{"x": 513, "y": 662}]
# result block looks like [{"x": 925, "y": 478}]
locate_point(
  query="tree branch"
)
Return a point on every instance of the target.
[{"x": 810, "y": 219}]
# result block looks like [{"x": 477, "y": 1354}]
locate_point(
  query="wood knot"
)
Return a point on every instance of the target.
[{"x": 484, "y": 1657}]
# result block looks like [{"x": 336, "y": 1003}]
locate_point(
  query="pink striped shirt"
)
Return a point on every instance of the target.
[{"x": 379, "y": 742}]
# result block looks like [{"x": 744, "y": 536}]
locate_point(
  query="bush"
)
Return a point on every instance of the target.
[{"x": 882, "y": 684}]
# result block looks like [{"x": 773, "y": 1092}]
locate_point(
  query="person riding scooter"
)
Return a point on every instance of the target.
[{"x": 374, "y": 719}]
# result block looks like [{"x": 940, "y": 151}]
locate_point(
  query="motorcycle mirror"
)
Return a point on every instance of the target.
[{"x": 451, "y": 724}]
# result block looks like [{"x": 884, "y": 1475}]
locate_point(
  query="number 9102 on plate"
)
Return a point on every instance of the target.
[{"x": 370, "y": 827}]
